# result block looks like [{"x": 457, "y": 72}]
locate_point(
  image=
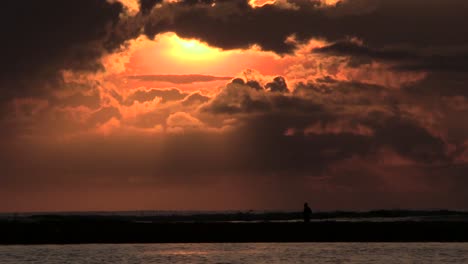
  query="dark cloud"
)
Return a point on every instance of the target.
[
  {"x": 271, "y": 151},
  {"x": 311, "y": 104},
  {"x": 349, "y": 48},
  {"x": 389, "y": 23},
  {"x": 42, "y": 38},
  {"x": 75, "y": 36},
  {"x": 166, "y": 95},
  {"x": 404, "y": 60},
  {"x": 275, "y": 141},
  {"x": 443, "y": 84},
  {"x": 446, "y": 70},
  {"x": 91, "y": 100},
  {"x": 277, "y": 85},
  {"x": 102, "y": 116},
  {"x": 250, "y": 97},
  {"x": 195, "y": 99},
  {"x": 408, "y": 139},
  {"x": 147, "y": 5},
  {"x": 257, "y": 152}
]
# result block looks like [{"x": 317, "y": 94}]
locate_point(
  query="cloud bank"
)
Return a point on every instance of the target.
[{"x": 368, "y": 112}]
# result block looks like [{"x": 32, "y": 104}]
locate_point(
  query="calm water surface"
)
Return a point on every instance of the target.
[{"x": 239, "y": 253}]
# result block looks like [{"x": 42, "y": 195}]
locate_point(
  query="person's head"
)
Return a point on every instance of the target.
[{"x": 306, "y": 205}]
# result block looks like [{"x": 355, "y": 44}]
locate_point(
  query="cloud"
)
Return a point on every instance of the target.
[
  {"x": 366, "y": 113},
  {"x": 132, "y": 6},
  {"x": 180, "y": 121},
  {"x": 341, "y": 144},
  {"x": 409, "y": 60},
  {"x": 179, "y": 79},
  {"x": 78, "y": 44},
  {"x": 166, "y": 95},
  {"x": 278, "y": 85},
  {"x": 227, "y": 24},
  {"x": 103, "y": 115},
  {"x": 91, "y": 100},
  {"x": 435, "y": 24},
  {"x": 65, "y": 36},
  {"x": 443, "y": 84},
  {"x": 195, "y": 99},
  {"x": 338, "y": 128}
]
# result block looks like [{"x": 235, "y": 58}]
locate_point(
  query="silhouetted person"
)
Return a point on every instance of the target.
[{"x": 306, "y": 213}]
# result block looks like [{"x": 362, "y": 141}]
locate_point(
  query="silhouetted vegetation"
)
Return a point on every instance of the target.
[
  {"x": 391, "y": 226},
  {"x": 248, "y": 216}
]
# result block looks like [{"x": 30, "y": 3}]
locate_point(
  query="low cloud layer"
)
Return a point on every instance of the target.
[
  {"x": 179, "y": 79},
  {"x": 318, "y": 137}
]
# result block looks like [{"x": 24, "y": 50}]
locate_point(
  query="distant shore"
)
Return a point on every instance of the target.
[
  {"x": 238, "y": 216},
  {"x": 50, "y": 229}
]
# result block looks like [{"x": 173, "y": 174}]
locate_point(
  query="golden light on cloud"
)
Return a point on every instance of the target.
[
  {"x": 170, "y": 54},
  {"x": 260, "y": 3},
  {"x": 132, "y": 7},
  {"x": 287, "y": 4},
  {"x": 330, "y": 2},
  {"x": 192, "y": 50}
]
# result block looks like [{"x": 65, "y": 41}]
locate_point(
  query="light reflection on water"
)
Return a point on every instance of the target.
[{"x": 258, "y": 253}]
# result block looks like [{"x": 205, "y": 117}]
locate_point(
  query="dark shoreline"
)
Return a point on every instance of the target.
[{"x": 114, "y": 232}]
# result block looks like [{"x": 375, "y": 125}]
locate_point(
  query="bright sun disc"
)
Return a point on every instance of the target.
[{"x": 192, "y": 49}]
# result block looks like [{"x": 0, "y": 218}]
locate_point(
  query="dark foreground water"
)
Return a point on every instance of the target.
[{"x": 239, "y": 253}]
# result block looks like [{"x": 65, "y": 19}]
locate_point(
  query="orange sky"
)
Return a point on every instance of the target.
[
  {"x": 106, "y": 107},
  {"x": 169, "y": 54}
]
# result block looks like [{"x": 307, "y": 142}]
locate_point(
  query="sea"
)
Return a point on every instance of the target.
[{"x": 258, "y": 253}]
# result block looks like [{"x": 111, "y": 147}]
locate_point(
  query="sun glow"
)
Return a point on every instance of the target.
[
  {"x": 192, "y": 50},
  {"x": 330, "y": 2},
  {"x": 169, "y": 54},
  {"x": 260, "y": 3}
]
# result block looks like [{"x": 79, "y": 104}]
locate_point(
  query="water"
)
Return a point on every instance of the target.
[{"x": 270, "y": 253}]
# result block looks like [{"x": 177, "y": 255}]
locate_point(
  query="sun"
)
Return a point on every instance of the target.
[
  {"x": 192, "y": 49},
  {"x": 330, "y": 2},
  {"x": 260, "y": 3},
  {"x": 169, "y": 54}
]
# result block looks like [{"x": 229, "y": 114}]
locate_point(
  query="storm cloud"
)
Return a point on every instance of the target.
[{"x": 369, "y": 111}]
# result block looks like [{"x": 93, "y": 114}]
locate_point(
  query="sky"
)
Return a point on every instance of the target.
[{"x": 233, "y": 105}]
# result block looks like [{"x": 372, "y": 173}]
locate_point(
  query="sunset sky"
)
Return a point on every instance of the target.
[{"x": 233, "y": 105}]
